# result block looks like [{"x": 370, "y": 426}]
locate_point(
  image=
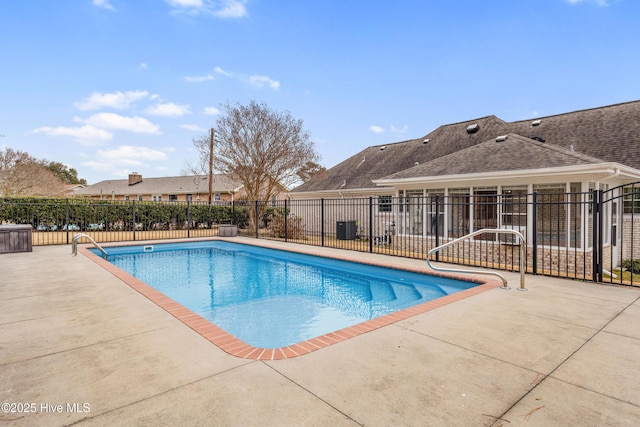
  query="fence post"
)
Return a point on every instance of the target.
[
  {"x": 133, "y": 215},
  {"x": 534, "y": 234},
  {"x": 286, "y": 234},
  {"x": 597, "y": 236},
  {"x": 66, "y": 215},
  {"x": 370, "y": 224},
  {"x": 233, "y": 212},
  {"x": 322, "y": 221},
  {"x": 601, "y": 234},
  {"x": 188, "y": 218},
  {"x": 257, "y": 221},
  {"x": 437, "y": 225}
]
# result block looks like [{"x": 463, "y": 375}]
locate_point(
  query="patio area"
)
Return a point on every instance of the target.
[{"x": 78, "y": 346}]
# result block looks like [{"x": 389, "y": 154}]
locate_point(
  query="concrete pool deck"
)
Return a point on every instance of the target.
[{"x": 78, "y": 346}]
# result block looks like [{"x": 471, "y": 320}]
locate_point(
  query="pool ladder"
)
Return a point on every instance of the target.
[
  {"x": 74, "y": 245},
  {"x": 493, "y": 273}
]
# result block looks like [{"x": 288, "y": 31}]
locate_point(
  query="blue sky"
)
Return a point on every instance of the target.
[{"x": 114, "y": 86}]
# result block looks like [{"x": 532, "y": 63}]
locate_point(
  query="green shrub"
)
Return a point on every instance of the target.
[
  {"x": 631, "y": 265},
  {"x": 116, "y": 215}
]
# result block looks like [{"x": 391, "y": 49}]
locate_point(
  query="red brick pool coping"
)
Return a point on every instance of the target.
[{"x": 233, "y": 346}]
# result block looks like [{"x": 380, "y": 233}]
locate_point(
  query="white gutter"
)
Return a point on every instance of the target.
[
  {"x": 600, "y": 168},
  {"x": 332, "y": 193}
]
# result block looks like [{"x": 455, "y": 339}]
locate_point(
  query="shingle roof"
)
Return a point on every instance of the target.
[
  {"x": 514, "y": 153},
  {"x": 381, "y": 160},
  {"x": 610, "y": 133},
  {"x": 167, "y": 185}
]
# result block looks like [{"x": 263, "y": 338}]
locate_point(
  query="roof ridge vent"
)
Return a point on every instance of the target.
[
  {"x": 473, "y": 128},
  {"x": 502, "y": 138},
  {"x": 536, "y": 122}
]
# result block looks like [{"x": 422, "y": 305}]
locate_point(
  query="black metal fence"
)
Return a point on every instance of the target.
[
  {"x": 55, "y": 221},
  {"x": 582, "y": 235}
]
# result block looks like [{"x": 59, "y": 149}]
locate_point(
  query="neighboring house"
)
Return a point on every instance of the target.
[
  {"x": 70, "y": 190},
  {"x": 488, "y": 159},
  {"x": 168, "y": 189}
]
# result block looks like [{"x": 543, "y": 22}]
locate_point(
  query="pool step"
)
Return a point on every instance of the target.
[
  {"x": 383, "y": 292},
  {"x": 406, "y": 292}
]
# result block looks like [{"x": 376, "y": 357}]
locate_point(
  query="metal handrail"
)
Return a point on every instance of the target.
[
  {"x": 74, "y": 245},
  {"x": 493, "y": 273}
]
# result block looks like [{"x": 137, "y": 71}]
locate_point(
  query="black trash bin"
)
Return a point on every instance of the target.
[{"x": 346, "y": 230}]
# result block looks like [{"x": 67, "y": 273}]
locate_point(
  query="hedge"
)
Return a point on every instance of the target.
[{"x": 55, "y": 213}]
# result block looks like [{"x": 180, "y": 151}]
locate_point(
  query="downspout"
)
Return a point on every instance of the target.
[
  {"x": 344, "y": 183},
  {"x": 615, "y": 174}
]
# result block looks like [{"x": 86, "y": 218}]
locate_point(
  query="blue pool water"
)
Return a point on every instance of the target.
[{"x": 269, "y": 298}]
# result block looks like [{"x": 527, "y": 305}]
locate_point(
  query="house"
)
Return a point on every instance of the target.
[
  {"x": 477, "y": 165},
  {"x": 176, "y": 188},
  {"x": 609, "y": 136},
  {"x": 70, "y": 190}
]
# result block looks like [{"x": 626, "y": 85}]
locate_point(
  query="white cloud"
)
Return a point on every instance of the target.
[
  {"x": 169, "y": 109},
  {"x": 208, "y": 76},
  {"x": 217, "y": 8},
  {"x": 260, "y": 81},
  {"x": 223, "y": 72},
  {"x": 199, "y": 79},
  {"x": 602, "y": 3},
  {"x": 116, "y": 121},
  {"x": 122, "y": 160},
  {"x": 392, "y": 129},
  {"x": 86, "y": 135},
  {"x": 185, "y": 3},
  {"x": 403, "y": 129},
  {"x": 232, "y": 9},
  {"x": 255, "y": 80},
  {"x": 143, "y": 66},
  {"x": 130, "y": 154},
  {"x": 118, "y": 100},
  {"x": 193, "y": 128},
  {"x": 211, "y": 111},
  {"x": 103, "y": 4},
  {"x": 106, "y": 168}
]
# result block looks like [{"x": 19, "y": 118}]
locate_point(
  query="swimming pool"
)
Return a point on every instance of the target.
[{"x": 270, "y": 298}]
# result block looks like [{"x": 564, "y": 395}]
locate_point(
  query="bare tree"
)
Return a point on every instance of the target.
[
  {"x": 311, "y": 170},
  {"x": 23, "y": 175},
  {"x": 262, "y": 149},
  {"x": 258, "y": 147}
]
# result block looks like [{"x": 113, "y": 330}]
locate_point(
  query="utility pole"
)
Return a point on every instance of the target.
[{"x": 211, "y": 166}]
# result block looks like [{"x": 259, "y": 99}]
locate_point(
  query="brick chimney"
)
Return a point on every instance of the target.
[{"x": 134, "y": 178}]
